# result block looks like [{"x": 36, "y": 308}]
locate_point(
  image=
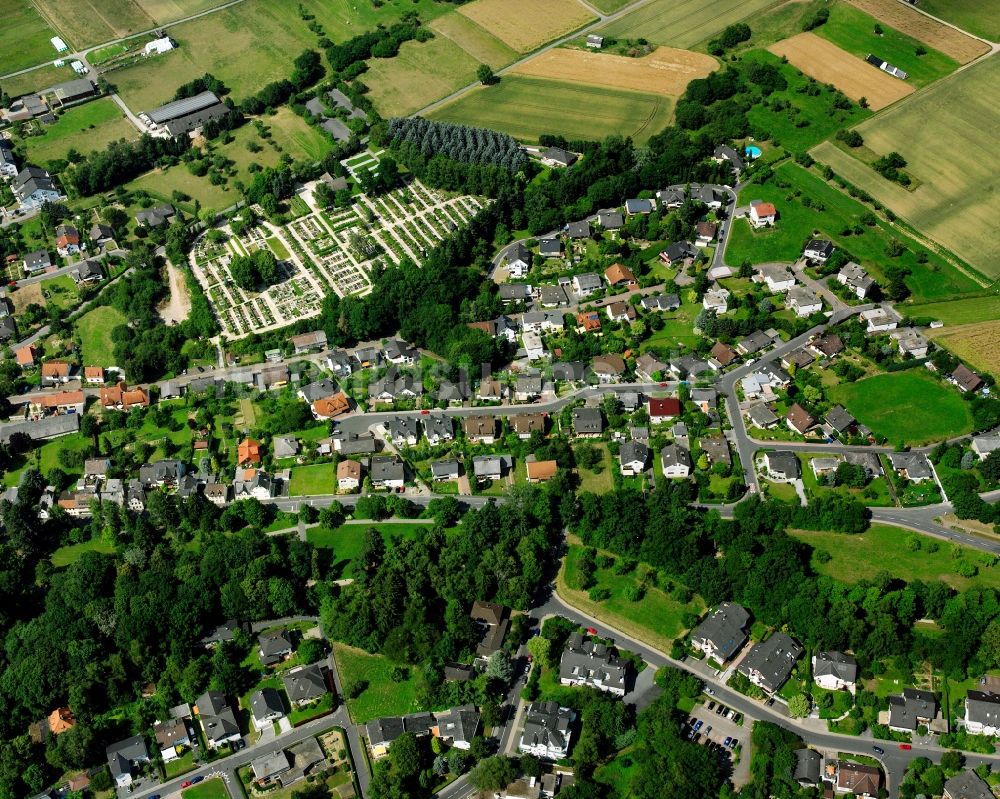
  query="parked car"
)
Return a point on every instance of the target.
[
  {"x": 186, "y": 784},
  {"x": 708, "y": 730},
  {"x": 878, "y": 750},
  {"x": 698, "y": 724},
  {"x": 710, "y": 692},
  {"x": 711, "y": 705},
  {"x": 905, "y": 747},
  {"x": 196, "y": 780},
  {"x": 728, "y": 741},
  {"x": 719, "y": 710}
]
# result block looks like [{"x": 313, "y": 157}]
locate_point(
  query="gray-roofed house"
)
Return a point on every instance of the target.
[
  {"x": 839, "y": 419},
  {"x": 587, "y": 422},
  {"x": 124, "y": 757},
  {"x": 660, "y": 302},
  {"x": 755, "y": 342},
  {"x": 317, "y": 390},
  {"x": 266, "y": 707},
  {"x": 438, "y": 428},
  {"x": 155, "y": 217},
  {"x": 458, "y": 726},
  {"x": 443, "y": 471},
  {"x": 304, "y": 684},
  {"x": 982, "y": 712},
  {"x": 633, "y": 458},
  {"x": 557, "y": 156},
  {"x": 37, "y": 261},
  {"x": 769, "y": 664},
  {"x": 716, "y": 449},
  {"x": 586, "y": 284},
  {"x": 550, "y": 248},
  {"x": 679, "y": 253},
  {"x": 547, "y": 730},
  {"x": 610, "y": 219},
  {"x": 638, "y": 206},
  {"x": 274, "y": 647},
  {"x": 491, "y": 467},
  {"x": 912, "y": 708},
  {"x": 285, "y": 446},
  {"x": 818, "y": 250},
  {"x": 578, "y": 230},
  {"x": 808, "y": 764},
  {"x": 568, "y": 371},
  {"x": 834, "y": 670},
  {"x": 722, "y": 633},
  {"x": 33, "y": 187},
  {"x": 914, "y": 466},
  {"x": 726, "y": 153},
  {"x": 783, "y": 465},
  {"x": 552, "y": 297},
  {"x": 269, "y": 766},
  {"x": 217, "y": 719},
  {"x": 967, "y": 785},
  {"x": 762, "y": 416},
  {"x": 675, "y": 461},
  {"x": 387, "y": 472},
  {"x": 403, "y": 430},
  {"x": 592, "y": 665}
]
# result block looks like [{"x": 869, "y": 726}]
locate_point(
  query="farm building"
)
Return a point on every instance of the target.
[
  {"x": 158, "y": 46},
  {"x": 73, "y": 91},
  {"x": 183, "y": 116}
]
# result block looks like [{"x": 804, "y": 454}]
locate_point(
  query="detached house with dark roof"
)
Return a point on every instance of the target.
[
  {"x": 834, "y": 671},
  {"x": 274, "y": 647},
  {"x": 547, "y": 730},
  {"x": 967, "y": 785},
  {"x": 722, "y": 633},
  {"x": 304, "y": 684},
  {"x": 769, "y": 664},
  {"x": 125, "y": 757},
  {"x": 982, "y": 713},
  {"x": 493, "y": 620},
  {"x": 217, "y": 719},
  {"x": 588, "y": 664},
  {"x": 912, "y": 708}
]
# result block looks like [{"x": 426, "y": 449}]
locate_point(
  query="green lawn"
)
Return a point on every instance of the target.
[
  {"x": 782, "y": 491},
  {"x": 67, "y": 555},
  {"x": 62, "y": 292},
  {"x": 383, "y": 696},
  {"x": 884, "y": 548},
  {"x": 602, "y": 481},
  {"x": 315, "y": 710},
  {"x": 321, "y": 478},
  {"x": 345, "y": 541},
  {"x": 910, "y": 407},
  {"x": 960, "y": 312},
  {"x": 213, "y": 788},
  {"x": 875, "y": 493},
  {"x": 831, "y": 213},
  {"x": 678, "y": 328},
  {"x": 656, "y": 618},
  {"x": 181, "y": 765},
  {"x": 88, "y": 127},
  {"x": 528, "y": 107},
  {"x": 24, "y": 37},
  {"x": 854, "y": 31},
  {"x": 278, "y": 248},
  {"x": 94, "y": 327}
]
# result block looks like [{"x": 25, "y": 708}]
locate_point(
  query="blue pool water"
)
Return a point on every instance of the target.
[{"x": 752, "y": 152}]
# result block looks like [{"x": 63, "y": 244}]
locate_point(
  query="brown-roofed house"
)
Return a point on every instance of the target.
[
  {"x": 111, "y": 396},
  {"x": 62, "y": 401},
  {"x": 25, "y": 356},
  {"x": 55, "y": 371},
  {"x": 540, "y": 471},
  {"x": 858, "y": 779},
  {"x": 79, "y": 782},
  {"x": 618, "y": 275},
  {"x": 608, "y": 367},
  {"x": 663, "y": 408},
  {"x": 331, "y": 407},
  {"x": 966, "y": 379},
  {"x": 348, "y": 475},
  {"x": 494, "y": 620},
  {"x": 706, "y": 231},
  {"x": 723, "y": 354},
  {"x": 135, "y": 398},
  {"x": 799, "y": 419},
  {"x": 480, "y": 429},
  {"x": 525, "y": 424},
  {"x": 828, "y": 345},
  {"x": 60, "y": 720},
  {"x": 248, "y": 453},
  {"x": 93, "y": 374},
  {"x": 588, "y": 321}
]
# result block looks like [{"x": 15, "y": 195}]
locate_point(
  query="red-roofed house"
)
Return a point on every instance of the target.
[
  {"x": 762, "y": 213},
  {"x": 93, "y": 374},
  {"x": 618, "y": 275},
  {"x": 663, "y": 408},
  {"x": 25, "y": 356},
  {"x": 248, "y": 453},
  {"x": 54, "y": 372}
]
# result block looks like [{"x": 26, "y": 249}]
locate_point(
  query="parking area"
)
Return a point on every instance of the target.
[{"x": 716, "y": 726}]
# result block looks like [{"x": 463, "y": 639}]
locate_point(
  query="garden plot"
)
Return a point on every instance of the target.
[{"x": 326, "y": 252}]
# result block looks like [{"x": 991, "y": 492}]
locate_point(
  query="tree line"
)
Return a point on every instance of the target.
[{"x": 458, "y": 142}]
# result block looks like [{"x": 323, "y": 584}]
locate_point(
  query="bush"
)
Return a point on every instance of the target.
[
  {"x": 817, "y": 19},
  {"x": 599, "y": 594},
  {"x": 355, "y": 688}
]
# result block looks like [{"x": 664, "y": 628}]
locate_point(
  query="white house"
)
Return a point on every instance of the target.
[
  {"x": 266, "y": 707},
  {"x": 777, "y": 278},
  {"x": 834, "y": 671},
  {"x": 856, "y": 279},
  {"x": 158, "y": 46},
  {"x": 716, "y": 300},
  {"x": 880, "y": 319},
  {"x": 675, "y": 461},
  {"x": 534, "y": 347},
  {"x": 762, "y": 213},
  {"x": 547, "y": 730},
  {"x": 818, "y": 250},
  {"x": 803, "y": 302},
  {"x": 518, "y": 261},
  {"x": 982, "y": 713}
]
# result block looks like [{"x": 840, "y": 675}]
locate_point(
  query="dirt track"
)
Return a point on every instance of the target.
[{"x": 178, "y": 307}]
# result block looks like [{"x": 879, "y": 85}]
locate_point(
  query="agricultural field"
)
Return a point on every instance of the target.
[
  {"x": 87, "y": 127},
  {"x": 975, "y": 344},
  {"x": 911, "y": 22},
  {"x": 827, "y": 63},
  {"x": 960, "y": 312},
  {"x": 831, "y": 212},
  {"x": 884, "y": 548},
  {"x": 24, "y": 37},
  {"x": 683, "y": 23},
  {"x": 480, "y": 45},
  {"x": 89, "y": 22},
  {"x": 911, "y": 407},
  {"x": 946, "y": 134},
  {"x": 383, "y": 696},
  {"x": 422, "y": 73},
  {"x": 664, "y": 71},
  {"x": 525, "y": 25},
  {"x": 528, "y": 107},
  {"x": 854, "y": 31},
  {"x": 94, "y": 327},
  {"x": 975, "y": 16}
]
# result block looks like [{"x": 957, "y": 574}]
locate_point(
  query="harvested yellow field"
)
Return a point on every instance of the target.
[
  {"x": 827, "y": 63},
  {"x": 482, "y": 46},
  {"x": 907, "y": 20},
  {"x": 664, "y": 71},
  {"x": 525, "y": 25},
  {"x": 975, "y": 344}
]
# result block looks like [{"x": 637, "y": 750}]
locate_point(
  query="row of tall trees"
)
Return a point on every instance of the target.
[{"x": 458, "y": 142}]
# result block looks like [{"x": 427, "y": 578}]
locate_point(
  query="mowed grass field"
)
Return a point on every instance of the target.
[
  {"x": 947, "y": 135},
  {"x": 883, "y": 548},
  {"x": 478, "y": 43},
  {"x": 251, "y": 44},
  {"x": 976, "y": 16},
  {"x": 528, "y": 107},
  {"x": 960, "y": 312},
  {"x": 85, "y": 128},
  {"x": 421, "y": 73},
  {"x": 933, "y": 280},
  {"x": 95, "y": 328},
  {"x": 827, "y": 63},
  {"x": 24, "y": 37},
  {"x": 854, "y": 31},
  {"x": 910, "y": 407},
  {"x": 37, "y": 79},
  {"x": 525, "y": 25},
  {"x": 383, "y": 696},
  {"x": 665, "y": 71},
  {"x": 911, "y": 22},
  {"x": 683, "y": 23},
  {"x": 346, "y": 540},
  {"x": 976, "y": 344}
]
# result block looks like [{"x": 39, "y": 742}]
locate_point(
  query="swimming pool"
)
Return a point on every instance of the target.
[{"x": 752, "y": 151}]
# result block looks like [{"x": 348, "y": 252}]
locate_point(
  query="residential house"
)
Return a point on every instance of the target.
[
  {"x": 339, "y": 363},
  {"x": 622, "y": 312},
  {"x": 274, "y": 647},
  {"x": 807, "y": 768},
  {"x": 8, "y": 163},
  {"x": 592, "y": 665},
  {"x": 156, "y": 217},
  {"x": 822, "y": 467},
  {"x": 783, "y": 465},
  {"x": 754, "y": 343},
  {"x": 368, "y": 357},
  {"x": 490, "y": 467},
  {"x": 588, "y": 322},
  {"x": 726, "y": 153},
  {"x": 101, "y": 234},
  {"x": 318, "y": 389},
  {"x": 880, "y": 319},
  {"x": 125, "y": 757},
  {"x": 534, "y": 347},
  {"x": 387, "y": 472},
  {"x": 94, "y": 375},
  {"x": 518, "y": 261},
  {"x": 650, "y": 368},
  {"x": 480, "y": 429},
  {"x": 705, "y": 232},
  {"x": 803, "y": 302},
  {"x": 827, "y": 346},
  {"x": 552, "y": 297},
  {"x": 858, "y": 779},
  {"x": 444, "y": 471},
  {"x": 452, "y": 394},
  {"x": 618, "y": 275},
  {"x": 633, "y": 458},
  {"x": 268, "y": 767},
  {"x": 514, "y": 292},
  {"x": 438, "y": 428},
  {"x": 353, "y": 443},
  {"x": 588, "y": 422},
  {"x": 663, "y": 409},
  {"x": 856, "y": 279},
  {"x": 403, "y": 431},
  {"x": 800, "y": 359},
  {"x": 914, "y": 466},
  {"x": 217, "y": 494},
  {"x": 253, "y": 483},
  {"x": 285, "y": 446},
  {"x": 595, "y": 41},
  {"x": 550, "y": 248},
  {"x": 638, "y": 206},
  {"x": 722, "y": 355},
  {"x": 67, "y": 240},
  {"x": 716, "y": 450},
  {"x": 762, "y": 213},
  {"x": 610, "y": 219},
  {"x": 660, "y": 302},
  {"x": 982, "y": 712},
  {"x": 541, "y": 321},
  {"x": 400, "y": 353},
  {"x": 170, "y": 736},
  {"x": 382, "y": 732},
  {"x": 776, "y": 277},
  {"x": 568, "y": 371},
  {"x": 840, "y": 420},
  {"x": 679, "y": 254},
  {"x": 799, "y": 419},
  {"x": 349, "y": 475},
  {"x": 331, "y": 407},
  {"x": 527, "y": 388},
  {"x": 266, "y": 707},
  {"x": 120, "y": 398},
  {"x": 608, "y": 368},
  {"x": 818, "y": 250},
  {"x": 547, "y": 730},
  {"x": 557, "y": 156},
  {"x": 394, "y": 385},
  {"x": 56, "y": 372},
  {"x": 675, "y": 461},
  {"x": 722, "y": 633},
  {"x": 249, "y": 453},
  {"x": 966, "y": 379},
  {"x": 304, "y": 684},
  {"x": 911, "y": 342},
  {"x": 309, "y": 342},
  {"x": 769, "y": 664},
  {"x": 493, "y": 621},
  {"x": 26, "y": 355},
  {"x": 63, "y": 402},
  {"x": 672, "y": 197},
  {"x": 33, "y": 187},
  {"x": 586, "y": 284},
  {"x": 912, "y": 709},
  {"x": 716, "y": 299},
  {"x": 491, "y": 390},
  {"x": 834, "y": 671},
  {"x": 457, "y": 727},
  {"x": 706, "y": 194},
  {"x": 524, "y": 424},
  {"x": 578, "y": 230},
  {"x": 986, "y": 443},
  {"x": 270, "y": 377},
  {"x": 217, "y": 719},
  {"x": 540, "y": 471},
  {"x": 967, "y": 785}
]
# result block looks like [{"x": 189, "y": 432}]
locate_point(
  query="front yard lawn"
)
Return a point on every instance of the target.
[{"x": 320, "y": 478}]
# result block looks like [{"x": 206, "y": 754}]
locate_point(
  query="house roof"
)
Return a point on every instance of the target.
[
  {"x": 799, "y": 418},
  {"x": 808, "y": 763},
  {"x": 590, "y": 321},
  {"x": 839, "y": 419},
  {"x": 270, "y": 764},
  {"x": 858, "y": 779},
  {"x": 445, "y": 469},
  {"x": 966, "y": 379},
  {"x": 616, "y": 273},
  {"x": 762, "y": 208},
  {"x": 170, "y": 732},
  {"x": 479, "y": 426},
  {"x": 547, "y": 724},
  {"x": 633, "y": 452},
  {"x": 55, "y": 369},
  {"x": 611, "y": 364},
  {"x": 578, "y": 230},
  {"x": 332, "y": 406},
  {"x": 967, "y": 785},
  {"x": 906, "y": 710},
  {"x": 183, "y": 107},
  {"x": 25, "y": 356},
  {"x": 716, "y": 449},
  {"x": 495, "y": 619},
  {"x": 60, "y": 720},
  {"x": 305, "y": 683},
  {"x": 835, "y": 664},
  {"x": 541, "y": 470},
  {"x": 829, "y": 345},
  {"x": 675, "y": 455},
  {"x": 593, "y": 663},
  {"x": 266, "y": 702},
  {"x": 559, "y": 155},
  {"x": 772, "y": 660},
  {"x": 248, "y": 451},
  {"x": 611, "y": 219},
  {"x": 348, "y": 469},
  {"x": 664, "y": 406},
  {"x": 723, "y": 353},
  {"x": 783, "y": 462},
  {"x": 387, "y": 468},
  {"x": 458, "y": 725},
  {"x": 527, "y": 423},
  {"x": 588, "y": 420}
]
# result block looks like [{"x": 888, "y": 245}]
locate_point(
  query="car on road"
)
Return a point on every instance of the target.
[
  {"x": 710, "y": 692},
  {"x": 905, "y": 747},
  {"x": 591, "y": 631},
  {"x": 770, "y": 701},
  {"x": 878, "y": 750},
  {"x": 186, "y": 784},
  {"x": 196, "y": 780}
]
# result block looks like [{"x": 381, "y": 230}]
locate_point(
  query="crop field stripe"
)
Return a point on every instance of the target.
[
  {"x": 648, "y": 21},
  {"x": 978, "y": 17},
  {"x": 935, "y": 34},
  {"x": 975, "y": 343},
  {"x": 525, "y": 25},
  {"x": 474, "y": 40}
]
